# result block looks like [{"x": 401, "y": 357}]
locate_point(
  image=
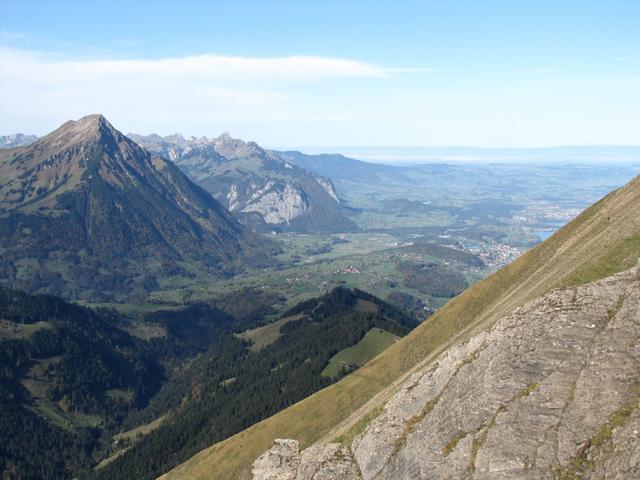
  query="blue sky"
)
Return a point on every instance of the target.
[{"x": 307, "y": 73}]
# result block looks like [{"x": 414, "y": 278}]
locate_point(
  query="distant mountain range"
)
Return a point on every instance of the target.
[
  {"x": 261, "y": 188},
  {"x": 16, "y": 140},
  {"x": 405, "y": 155},
  {"x": 86, "y": 208},
  {"x": 340, "y": 168}
]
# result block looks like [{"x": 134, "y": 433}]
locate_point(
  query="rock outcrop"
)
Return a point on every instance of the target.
[
  {"x": 277, "y": 202},
  {"x": 551, "y": 391},
  {"x": 284, "y": 461},
  {"x": 262, "y": 189}
]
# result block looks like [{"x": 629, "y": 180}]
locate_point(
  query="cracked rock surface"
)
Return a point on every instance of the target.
[
  {"x": 551, "y": 391},
  {"x": 284, "y": 461}
]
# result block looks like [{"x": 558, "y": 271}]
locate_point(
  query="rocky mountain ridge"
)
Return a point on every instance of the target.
[
  {"x": 260, "y": 187},
  {"x": 551, "y": 391},
  {"x": 16, "y": 140}
]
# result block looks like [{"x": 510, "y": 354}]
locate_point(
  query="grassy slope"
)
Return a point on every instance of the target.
[
  {"x": 15, "y": 331},
  {"x": 266, "y": 334},
  {"x": 131, "y": 436},
  {"x": 373, "y": 343},
  {"x": 602, "y": 240}
]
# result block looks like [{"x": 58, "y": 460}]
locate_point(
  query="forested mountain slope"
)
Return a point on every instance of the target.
[
  {"x": 85, "y": 211},
  {"x": 245, "y": 378}
]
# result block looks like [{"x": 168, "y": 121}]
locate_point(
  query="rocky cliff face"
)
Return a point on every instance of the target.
[
  {"x": 262, "y": 189},
  {"x": 276, "y": 202},
  {"x": 551, "y": 391}
]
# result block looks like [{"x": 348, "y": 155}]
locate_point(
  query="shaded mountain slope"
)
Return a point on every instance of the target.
[
  {"x": 72, "y": 378},
  {"x": 262, "y": 189},
  {"x": 85, "y": 208},
  {"x": 603, "y": 240},
  {"x": 64, "y": 370},
  {"x": 245, "y": 378}
]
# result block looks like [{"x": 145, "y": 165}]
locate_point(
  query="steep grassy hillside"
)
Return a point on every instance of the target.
[
  {"x": 602, "y": 240},
  {"x": 373, "y": 343}
]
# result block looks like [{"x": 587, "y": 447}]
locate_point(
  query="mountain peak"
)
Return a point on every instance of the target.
[
  {"x": 230, "y": 147},
  {"x": 225, "y": 140},
  {"x": 77, "y": 152},
  {"x": 176, "y": 138},
  {"x": 88, "y": 127},
  {"x": 88, "y": 187},
  {"x": 93, "y": 119},
  {"x": 262, "y": 188}
]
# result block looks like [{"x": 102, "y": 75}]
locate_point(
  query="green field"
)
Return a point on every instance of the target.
[
  {"x": 267, "y": 334},
  {"x": 377, "y": 220},
  {"x": 36, "y": 381},
  {"x": 315, "y": 264},
  {"x": 66, "y": 420},
  {"x": 128, "y": 437},
  {"x": 131, "y": 435},
  {"x": 13, "y": 331},
  {"x": 374, "y": 342}
]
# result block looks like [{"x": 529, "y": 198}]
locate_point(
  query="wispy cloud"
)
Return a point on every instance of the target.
[
  {"x": 317, "y": 100},
  {"x": 36, "y": 87},
  {"x": 211, "y": 67}
]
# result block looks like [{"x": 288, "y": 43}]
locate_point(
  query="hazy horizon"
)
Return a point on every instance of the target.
[
  {"x": 418, "y": 154},
  {"x": 407, "y": 155},
  {"x": 415, "y": 155}
]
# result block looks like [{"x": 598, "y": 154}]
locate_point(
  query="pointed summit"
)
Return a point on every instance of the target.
[
  {"x": 86, "y": 187},
  {"x": 86, "y": 125},
  {"x": 95, "y": 123},
  {"x": 75, "y": 153},
  {"x": 90, "y": 128},
  {"x": 95, "y": 120},
  {"x": 228, "y": 146}
]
